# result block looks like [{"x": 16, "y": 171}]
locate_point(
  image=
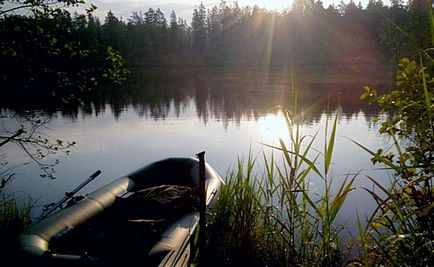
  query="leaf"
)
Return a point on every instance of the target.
[
  {"x": 404, "y": 60},
  {"x": 306, "y": 160},
  {"x": 331, "y": 143},
  {"x": 426, "y": 92},
  {"x": 341, "y": 195},
  {"x": 366, "y": 92},
  {"x": 377, "y": 157},
  {"x": 411, "y": 66}
]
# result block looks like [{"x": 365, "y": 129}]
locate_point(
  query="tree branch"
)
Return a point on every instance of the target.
[
  {"x": 15, "y": 8},
  {"x": 10, "y": 138}
]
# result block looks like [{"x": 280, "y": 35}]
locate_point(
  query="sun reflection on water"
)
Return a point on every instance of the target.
[{"x": 273, "y": 126}]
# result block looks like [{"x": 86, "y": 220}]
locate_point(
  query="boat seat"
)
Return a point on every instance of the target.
[{"x": 174, "y": 239}]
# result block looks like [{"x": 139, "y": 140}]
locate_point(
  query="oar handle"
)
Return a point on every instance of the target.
[
  {"x": 69, "y": 195},
  {"x": 88, "y": 180},
  {"x": 98, "y": 172}
]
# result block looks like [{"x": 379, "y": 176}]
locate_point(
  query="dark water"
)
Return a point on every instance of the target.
[{"x": 180, "y": 112}]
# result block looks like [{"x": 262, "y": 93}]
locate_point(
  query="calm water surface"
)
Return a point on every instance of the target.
[{"x": 173, "y": 113}]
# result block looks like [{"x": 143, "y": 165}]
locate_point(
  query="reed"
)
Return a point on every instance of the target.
[
  {"x": 15, "y": 216},
  {"x": 14, "y": 211},
  {"x": 266, "y": 214},
  {"x": 9, "y": 208}
]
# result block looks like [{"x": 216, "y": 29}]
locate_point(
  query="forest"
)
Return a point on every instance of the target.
[
  {"x": 307, "y": 33},
  {"x": 54, "y": 55}
]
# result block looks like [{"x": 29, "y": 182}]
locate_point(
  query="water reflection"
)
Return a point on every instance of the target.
[
  {"x": 229, "y": 94},
  {"x": 273, "y": 126}
]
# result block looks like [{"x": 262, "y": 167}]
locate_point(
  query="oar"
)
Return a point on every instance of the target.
[
  {"x": 202, "y": 207},
  {"x": 68, "y": 195}
]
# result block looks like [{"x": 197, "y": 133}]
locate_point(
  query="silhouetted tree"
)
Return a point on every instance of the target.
[{"x": 198, "y": 25}]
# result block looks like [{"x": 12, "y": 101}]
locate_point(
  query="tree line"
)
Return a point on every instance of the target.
[
  {"x": 306, "y": 33},
  {"x": 53, "y": 54}
]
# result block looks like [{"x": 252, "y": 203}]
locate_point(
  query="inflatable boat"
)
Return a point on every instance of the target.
[{"x": 147, "y": 217}]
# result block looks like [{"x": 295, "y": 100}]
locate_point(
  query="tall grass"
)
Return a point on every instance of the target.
[
  {"x": 13, "y": 209},
  {"x": 271, "y": 218},
  {"x": 15, "y": 215}
]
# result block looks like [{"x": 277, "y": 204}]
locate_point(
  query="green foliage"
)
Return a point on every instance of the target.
[
  {"x": 409, "y": 120},
  {"x": 116, "y": 72},
  {"x": 406, "y": 30},
  {"x": 51, "y": 56},
  {"x": 401, "y": 229}
]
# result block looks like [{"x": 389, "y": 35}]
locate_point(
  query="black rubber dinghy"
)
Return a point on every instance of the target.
[{"x": 147, "y": 218}]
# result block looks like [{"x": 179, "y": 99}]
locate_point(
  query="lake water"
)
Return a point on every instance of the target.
[{"x": 178, "y": 113}]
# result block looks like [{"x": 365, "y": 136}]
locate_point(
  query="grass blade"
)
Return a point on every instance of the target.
[
  {"x": 381, "y": 159},
  {"x": 305, "y": 159}
]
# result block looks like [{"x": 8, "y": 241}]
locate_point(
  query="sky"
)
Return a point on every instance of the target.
[{"x": 184, "y": 8}]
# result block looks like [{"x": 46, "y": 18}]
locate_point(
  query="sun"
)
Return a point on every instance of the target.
[{"x": 268, "y": 4}]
